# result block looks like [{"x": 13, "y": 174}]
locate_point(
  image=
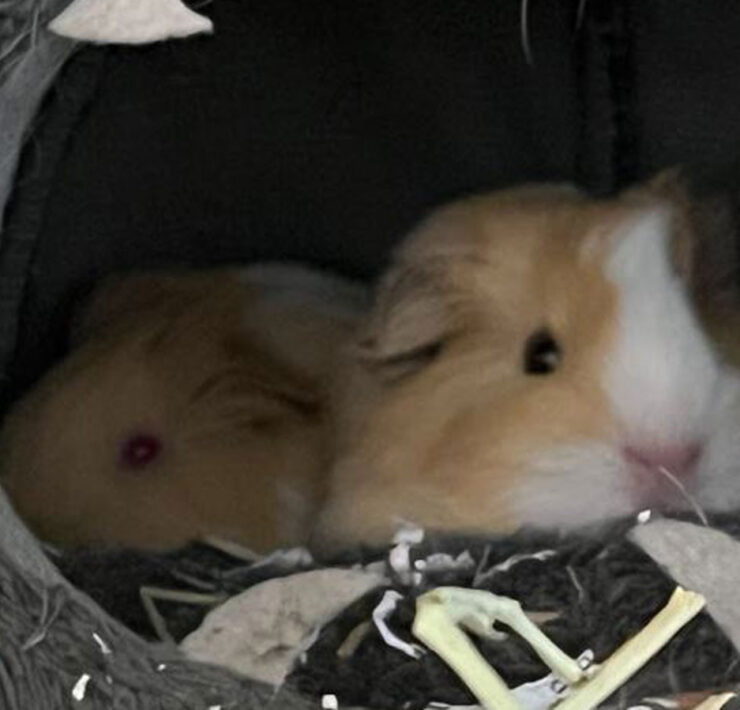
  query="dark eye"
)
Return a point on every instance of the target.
[{"x": 542, "y": 353}]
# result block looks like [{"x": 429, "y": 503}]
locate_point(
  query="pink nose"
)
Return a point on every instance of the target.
[{"x": 678, "y": 459}]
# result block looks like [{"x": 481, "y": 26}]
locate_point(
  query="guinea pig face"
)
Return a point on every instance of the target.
[
  {"x": 533, "y": 358},
  {"x": 175, "y": 418}
]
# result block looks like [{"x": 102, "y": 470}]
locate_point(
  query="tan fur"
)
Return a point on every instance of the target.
[
  {"x": 194, "y": 360},
  {"x": 444, "y": 445}
]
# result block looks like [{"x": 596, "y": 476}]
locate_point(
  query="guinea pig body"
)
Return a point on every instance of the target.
[
  {"x": 191, "y": 405},
  {"x": 534, "y": 358}
]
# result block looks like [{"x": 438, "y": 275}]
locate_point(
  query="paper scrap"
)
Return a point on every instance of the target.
[
  {"x": 104, "y": 648},
  {"x": 399, "y": 557},
  {"x": 385, "y": 608},
  {"x": 409, "y": 534},
  {"x": 507, "y": 564},
  {"x": 290, "y": 558},
  {"x": 704, "y": 559},
  {"x": 542, "y": 694},
  {"x": 128, "y": 21},
  {"x": 444, "y": 562},
  {"x": 263, "y": 631},
  {"x": 78, "y": 692}
]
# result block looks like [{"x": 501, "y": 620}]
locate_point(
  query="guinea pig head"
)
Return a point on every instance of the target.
[
  {"x": 175, "y": 417},
  {"x": 533, "y": 357}
]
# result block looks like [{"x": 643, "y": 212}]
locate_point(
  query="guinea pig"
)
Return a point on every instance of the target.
[
  {"x": 536, "y": 357},
  {"x": 190, "y": 405}
]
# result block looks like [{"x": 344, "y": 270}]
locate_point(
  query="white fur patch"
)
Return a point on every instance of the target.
[
  {"x": 573, "y": 485},
  {"x": 293, "y": 284},
  {"x": 662, "y": 374}
]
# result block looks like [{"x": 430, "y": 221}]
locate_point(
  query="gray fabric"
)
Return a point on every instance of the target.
[
  {"x": 52, "y": 635},
  {"x": 702, "y": 559},
  {"x": 20, "y": 547},
  {"x": 30, "y": 57}
]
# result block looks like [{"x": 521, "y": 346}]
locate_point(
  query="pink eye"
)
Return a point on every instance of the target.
[{"x": 139, "y": 450}]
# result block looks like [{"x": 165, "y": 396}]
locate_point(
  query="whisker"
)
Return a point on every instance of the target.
[
  {"x": 689, "y": 498},
  {"x": 580, "y": 14},
  {"x": 524, "y": 29}
]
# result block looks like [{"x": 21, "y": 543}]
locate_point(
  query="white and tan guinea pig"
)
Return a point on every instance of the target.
[
  {"x": 534, "y": 357},
  {"x": 191, "y": 405}
]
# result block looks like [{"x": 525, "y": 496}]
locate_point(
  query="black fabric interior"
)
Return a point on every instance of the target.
[{"x": 683, "y": 88}]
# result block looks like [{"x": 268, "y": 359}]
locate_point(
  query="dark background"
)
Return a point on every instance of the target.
[{"x": 321, "y": 131}]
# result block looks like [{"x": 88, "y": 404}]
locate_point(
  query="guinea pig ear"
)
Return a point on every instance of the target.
[
  {"x": 704, "y": 237},
  {"x": 408, "y": 325},
  {"x": 669, "y": 183},
  {"x": 125, "y": 298},
  {"x": 671, "y": 188},
  {"x": 715, "y": 279}
]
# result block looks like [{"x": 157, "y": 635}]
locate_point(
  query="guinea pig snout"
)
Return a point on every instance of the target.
[{"x": 679, "y": 460}]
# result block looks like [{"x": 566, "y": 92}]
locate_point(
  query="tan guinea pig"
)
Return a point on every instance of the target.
[
  {"x": 192, "y": 405},
  {"x": 533, "y": 357}
]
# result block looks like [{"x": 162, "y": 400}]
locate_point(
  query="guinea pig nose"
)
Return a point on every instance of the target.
[{"x": 678, "y": 459}]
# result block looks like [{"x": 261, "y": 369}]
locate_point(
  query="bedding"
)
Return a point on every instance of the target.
[{"x": 592, "y": 592}]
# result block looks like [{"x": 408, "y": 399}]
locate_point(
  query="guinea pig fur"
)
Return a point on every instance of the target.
[
  {"x": 191, "y": 405},
  {"x": 535, "y": 357}
]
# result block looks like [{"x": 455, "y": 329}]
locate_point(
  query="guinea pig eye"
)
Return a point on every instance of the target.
[
  {"x": 542, "y": 353},
  {"x": 139, "y": 450},
  {"x": 400, "y": 365}
]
